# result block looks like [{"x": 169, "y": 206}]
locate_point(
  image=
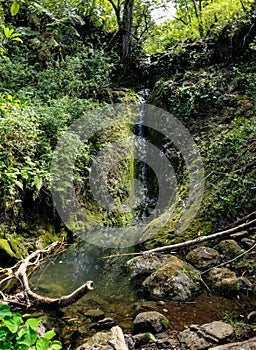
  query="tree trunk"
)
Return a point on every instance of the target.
[{"x": 127, "y": 26}]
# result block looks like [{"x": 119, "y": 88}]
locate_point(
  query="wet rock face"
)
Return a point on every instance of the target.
[
  {"x": 223, "y": 281},
  {"x": 174, "y": 280},
  {"x": 203, "y": 257},
  {"x": 151, "y": 321},
  {"x": 202, "y": 337}
]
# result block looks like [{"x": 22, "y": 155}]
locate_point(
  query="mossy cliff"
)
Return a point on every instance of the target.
[{"x": 216, "y": 103}]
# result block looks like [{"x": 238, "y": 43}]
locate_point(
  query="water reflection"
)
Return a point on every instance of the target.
[{"x": 81, "y": 262}]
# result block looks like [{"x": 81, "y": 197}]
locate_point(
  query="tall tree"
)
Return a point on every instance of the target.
[{"x": 124, "y": 14}]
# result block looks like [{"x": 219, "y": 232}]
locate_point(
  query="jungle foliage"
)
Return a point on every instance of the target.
[{"x": 60, "y": 61}]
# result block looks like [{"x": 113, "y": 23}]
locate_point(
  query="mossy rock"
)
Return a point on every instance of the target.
[
  {"x": 7, "y": 256},
  {"x": 150, "y": 321}
]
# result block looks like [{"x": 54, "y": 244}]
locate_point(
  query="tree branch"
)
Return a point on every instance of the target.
[
  {"x": 31, "y": 298},
  {"x": 201, "y": 239}
]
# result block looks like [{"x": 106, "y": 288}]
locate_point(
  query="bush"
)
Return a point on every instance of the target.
[{"x": 17, "y": 334}]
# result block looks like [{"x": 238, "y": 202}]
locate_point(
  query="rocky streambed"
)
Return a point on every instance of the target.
[{"x": 198, "y": 298}]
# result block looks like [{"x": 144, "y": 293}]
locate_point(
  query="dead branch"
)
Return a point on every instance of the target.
[
  {"x": 200, "y": 239},
  {"x": 27, "y": 296}
]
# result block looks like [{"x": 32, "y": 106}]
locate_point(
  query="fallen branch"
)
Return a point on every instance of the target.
[
  {"x": 200, "y": 239},
  {"x": 27, "y": 296}
]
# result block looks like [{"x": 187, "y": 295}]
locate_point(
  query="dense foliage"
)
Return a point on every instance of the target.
[
  {"x": 17, "y": 334},
  {"x": 58, "y": 62}
]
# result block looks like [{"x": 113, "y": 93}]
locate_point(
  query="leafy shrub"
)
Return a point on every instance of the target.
[
  {"x": 20, "y": 167},
  {"x": 230, "y": 158},
  {"x": 88, "y": 75},
  {"x": 17, "y": 334}
]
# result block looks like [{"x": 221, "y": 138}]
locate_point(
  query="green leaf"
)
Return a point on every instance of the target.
[
  {"x": 29, "y": 338},
  {"x": 42, "y": 344},
  {"x": 33, "y": 322},
  {"x": 13, "y": 322},
  {"x": 19, "y": 184},
  {"x": 5, "y": 310},
  {"x": 17, "y": 39},
  {"x": 49, "y": 335},
  {"x": 55, "y": 345},
  {"x": 8, "y": 32},
  {"x": 37, "y": 182},
  {"x": 3, "y": 334},
  {"x": 15, "y": 8}
]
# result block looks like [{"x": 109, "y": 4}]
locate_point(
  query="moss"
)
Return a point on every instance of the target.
[
  {"x": 160, "y": 234},
  {"x": 165, "y": 322},
  {"x": 4, "y": 245},
  {"x": 6, "y": 254}
]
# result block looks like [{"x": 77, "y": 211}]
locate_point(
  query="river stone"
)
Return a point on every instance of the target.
[
  {"x": 230, "y": 248},
  {"x": 203, "y": 257},
  {"x": 244, "y": 345},
  {"x": 223, "y": 281},
  {"x": 113, "y": 340},
  {"x": 142, "y": 266},
  {"x": 143, "y": 339},
  {"x": 217, "y": 329},
  {"x": 175, "y": 280},
  {"x": 193, "y": 340},
  {"x": 95, "y": 314},
  {"x": 150, "y": 321}
]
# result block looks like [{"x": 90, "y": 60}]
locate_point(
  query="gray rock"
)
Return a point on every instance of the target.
[
  {"x": 142, "y": 266},
  {"x": 202, "y": 337},
  {"x": 95, "y": 314},
  {"x": 223, "y": 281},
  {"x": 203, "y": 257},
  {"x": 143, "y": 339},
  {"x": 150, "y": 321},
  {"x": 193, "y": 340},
  {"x": 113, "y": 340},
  {"x": 244, "y": 345},
  {"x": 230, "y": 248},
  {"x": 217, "y": 329},
  {"x": 174, "y": 280}
]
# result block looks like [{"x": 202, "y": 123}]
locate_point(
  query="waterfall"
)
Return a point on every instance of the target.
[{"x": 143, "y": 178}]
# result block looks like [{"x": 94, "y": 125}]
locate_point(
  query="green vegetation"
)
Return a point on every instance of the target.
[
  {"x": 18, "y": 334},
  {"x": 58, "y": 63}
]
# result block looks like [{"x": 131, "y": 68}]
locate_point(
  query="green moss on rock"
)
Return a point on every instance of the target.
[{"x": 6, "y": 253}]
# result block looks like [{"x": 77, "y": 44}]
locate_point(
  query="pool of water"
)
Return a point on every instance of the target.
[{"x": 117, "y": 297}]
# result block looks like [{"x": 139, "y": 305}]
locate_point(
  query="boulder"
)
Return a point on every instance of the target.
[
  {"x": 174, "y": 280},
  {"x": 217, "y": 329},
  {"x": 223, "y": 281},
  {"x": 230, "y": 248},
  {"x": 202, "y": 337},
  {"x": 203, "y": 257},
  {"x": 193, "y": 340},
  {"x": 150, "y": 321},
  {"x": 142, "y": 266}
]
